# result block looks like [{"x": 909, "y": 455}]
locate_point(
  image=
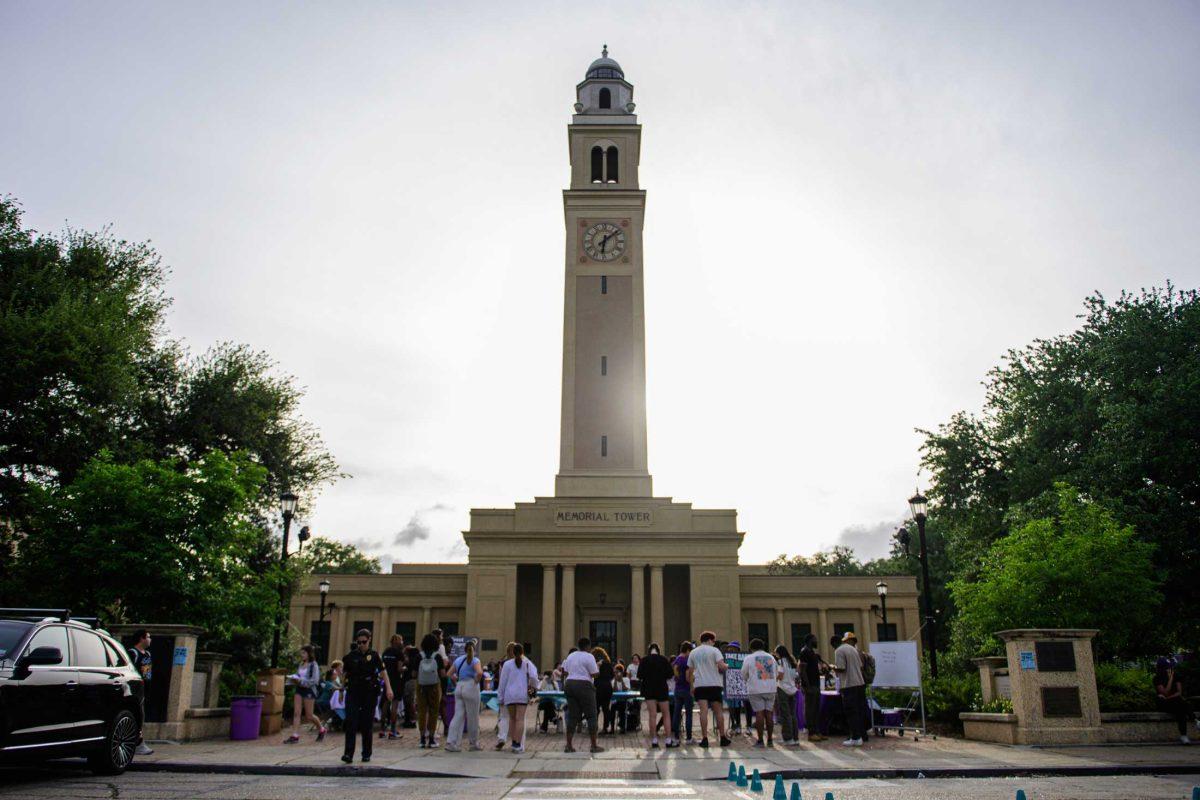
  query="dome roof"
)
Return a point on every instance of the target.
[{"x": 605, "y": 67}]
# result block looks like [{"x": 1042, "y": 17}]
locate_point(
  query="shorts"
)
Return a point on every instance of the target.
[
  {"x": 762, "y": 702},
  {"x": 709, "y": 694},
  {"x": 306, "y": 693},
  {"x": 658, "y": 697}
]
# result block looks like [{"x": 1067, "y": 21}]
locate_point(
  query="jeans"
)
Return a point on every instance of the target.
[
  {"x": 360, "y": 716},
  {"x": 682, "y": 701},
  {"x": 785, "y": 712},
  {"x": 1178, "y": 708},
  {"x": 812, "y": 710},
  {"x": 854, "y": 704},
  {"x": 466, "y": 710},
  {"x": 410, "y": 701}
]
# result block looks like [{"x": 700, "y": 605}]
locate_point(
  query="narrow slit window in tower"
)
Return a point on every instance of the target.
[
  {"x": 603, "y": 365},
  {"x": 605, "y": 98},
  {"x": 611, "y": 174},
  {"x": 603, "y": 284},
  {"x": 597, "y": 164},
  {"x": 604, "y": 447}
]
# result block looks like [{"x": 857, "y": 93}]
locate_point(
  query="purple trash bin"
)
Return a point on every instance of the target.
[{"x": 244, "y": 713}]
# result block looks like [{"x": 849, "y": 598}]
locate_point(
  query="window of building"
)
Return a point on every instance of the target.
[
  {"x": 449, "y": 628},
  {"x": 840, "y": 629},
  {"x": 611, "y": 171},
  {"x": 759, "y": 630},
  {"x": 604, "y": 447},
  {"x": 408, "y": 630},
  {"x": 603, "y": 365},
  {"x": 603, "y": 284},
  {"x": 800, "y": 632},
  {"x": 89, "y": 650},
  {"x": 885, "y": 633},
  {"x": 605, "y": 98},
  {"x": 597, "y": 164}
]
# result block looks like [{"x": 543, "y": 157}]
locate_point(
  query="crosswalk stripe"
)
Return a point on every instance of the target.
[
  {"x": 583, "y": 786},
  {"x": 602, "y": 781}
]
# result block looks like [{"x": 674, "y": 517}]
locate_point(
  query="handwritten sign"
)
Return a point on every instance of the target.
[
  {"x": 1027, "y": 660},
  {"x": 179, "y": 658},
  {"x": 896, "y": 665}
]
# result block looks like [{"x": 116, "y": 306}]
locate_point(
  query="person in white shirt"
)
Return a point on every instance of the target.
[
  {"x": 848, "y": 664},
  {"x": 580, "y": 690},
  {"x": 785, "y": 695},
  {"x": 760, "y": 673},
  {"x": 706, "y": 665},
  {"x": 518, "y": 679}
]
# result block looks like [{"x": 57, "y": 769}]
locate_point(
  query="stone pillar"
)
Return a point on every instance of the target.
[
  {"x": 865, "y": 636},
  {"x": 548, "y": 654},
  {"x": 1053, "y": 679},
  {"x": 823, "y": 633},
  {"x": 568, "y": 607},
  {"x": 991, "y": 667},
  {"x": 179, "y": 671},
  {"x": 780, "y": 636},
  {"x": 210, "y": 665},
  {"x": 426, "y": 621},
  {"x": 637, "y": 608},
  {"x": 658, "y": 620}
]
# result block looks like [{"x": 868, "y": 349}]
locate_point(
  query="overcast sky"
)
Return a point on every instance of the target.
[{"x": 853, "y": 212}]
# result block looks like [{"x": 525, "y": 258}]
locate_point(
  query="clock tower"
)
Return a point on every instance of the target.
[{"x": 603, "y": 434}]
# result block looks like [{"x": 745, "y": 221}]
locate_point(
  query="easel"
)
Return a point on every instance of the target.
[{"x": 898, "y": 667}]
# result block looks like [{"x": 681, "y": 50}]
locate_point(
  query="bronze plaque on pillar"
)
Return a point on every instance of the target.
[{"x": 1061, "y": 701}]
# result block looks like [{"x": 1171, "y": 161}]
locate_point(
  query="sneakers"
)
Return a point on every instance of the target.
[
  {"x": 422, "y": 744},
  {"x": 704, "y": 742},
  {"x": 321, "y": 734},
  {"x": 392, "y": 736},
  {"x": 853, "y": 743},
  {"x": 518, "y": 748},
  {"x": 597, "y": 749},
  {"x": 499, "y": 745},
  {"x": 726, "y": 741},
  {"x": 365, "y": 759},
  {"x": 347, "y": 759},
  {"x": 758, "y": 744},
  {"x": 433, "y": 742},
  {"x": 452, "y": 748},
  {"x": 1184, "y": 740},
  {"x": 654, "y": 743},
  {"x": 143, "y": 749},
  {"x": 672, "y": 743},
  {"x": 475, "y": 748},
  {"x": 816, "y": 737}
]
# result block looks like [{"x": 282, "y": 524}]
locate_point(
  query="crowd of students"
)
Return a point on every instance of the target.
[{"x": 407, "y": 687}]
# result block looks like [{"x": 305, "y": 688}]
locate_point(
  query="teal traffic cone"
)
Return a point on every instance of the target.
[
  {"x": 1196, "y": 793},
  {"x": 1020, "y": 794},
  {"x": 741, "y": 779},
  {"x": 780, "y": 792},
  {"x": 756, "y": 782},
  {"x": 795, "y": 792},
  {"x": 829, "y": 796},
  {"x": 732, "y": 773}
]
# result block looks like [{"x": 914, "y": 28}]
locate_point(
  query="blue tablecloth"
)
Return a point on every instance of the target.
[{"x": 489, "y": 699}]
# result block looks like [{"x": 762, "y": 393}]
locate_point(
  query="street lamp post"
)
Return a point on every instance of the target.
[
  {"x": 287, "y": 507},
  {"x": 919, "y": 505},
  {"x": 323, "y": 586},
  {"x": 881, "y": 587}
]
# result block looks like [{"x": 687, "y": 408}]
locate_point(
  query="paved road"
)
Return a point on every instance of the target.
[{"x": 72, "y": 783}]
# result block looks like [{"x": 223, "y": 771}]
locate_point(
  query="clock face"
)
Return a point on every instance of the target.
[{"x": 604, "y": 241}]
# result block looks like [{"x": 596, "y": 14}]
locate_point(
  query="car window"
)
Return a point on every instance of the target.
[
  {"x": 89, "y": 649},
  {"x": 11, "y": 633},
  {"x": 115, "y": 657},
  {"x": 51, "y": 636}
]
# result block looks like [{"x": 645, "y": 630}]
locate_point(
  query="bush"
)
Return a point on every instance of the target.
[
  {"x": 997, "y": 705},
  {"x": 1125, "y": 688},
  {"x": 950, "y": 694}
]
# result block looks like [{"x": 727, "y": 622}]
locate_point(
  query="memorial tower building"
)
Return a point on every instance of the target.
[{"x": 603, "y": 556}]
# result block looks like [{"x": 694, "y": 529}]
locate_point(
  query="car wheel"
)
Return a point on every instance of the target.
[{"x": 117, "y": 751}]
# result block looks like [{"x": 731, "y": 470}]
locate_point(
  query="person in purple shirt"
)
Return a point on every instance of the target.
[{"x": 683, "y": 692}]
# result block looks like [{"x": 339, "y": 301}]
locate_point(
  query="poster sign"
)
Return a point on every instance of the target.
[
  {"x": 735, "y": 682},
  {"x": 458, "y": 646},
  {"x": 897, "y": 665},
  {"x": 1027, "y": 660},
  {"x": 179, "y": 658}
]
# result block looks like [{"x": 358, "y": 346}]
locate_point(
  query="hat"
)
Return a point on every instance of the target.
[{"x": 849, "y": 636}]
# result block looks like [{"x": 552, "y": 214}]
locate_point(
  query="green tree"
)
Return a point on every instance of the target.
[
  {"x": 837, "y": 560},
  {"x": 1112, "y": 408},
  {"x": 1077, "y": 568},
  {"x": 330, "y": 557}
]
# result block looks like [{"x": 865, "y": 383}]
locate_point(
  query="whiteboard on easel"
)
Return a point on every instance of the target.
[{"x": 897, "y": 665}]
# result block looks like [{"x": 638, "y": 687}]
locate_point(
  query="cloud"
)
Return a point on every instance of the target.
[
  {"x": 457, "y": 551},
  {"x": 414, "y": 531},
  {"x": 440, "y": 507},
  {"x": 869, "y": 541},
  {"x": 365, "y": 544}
]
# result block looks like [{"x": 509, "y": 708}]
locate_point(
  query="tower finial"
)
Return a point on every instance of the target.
[{"x": 604, "y": 51}]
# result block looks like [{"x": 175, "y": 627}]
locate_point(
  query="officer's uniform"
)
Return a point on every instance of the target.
[{"x": 362, "y": 671}]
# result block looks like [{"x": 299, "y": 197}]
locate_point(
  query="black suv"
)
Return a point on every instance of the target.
[{"x": 66, "y": 689}]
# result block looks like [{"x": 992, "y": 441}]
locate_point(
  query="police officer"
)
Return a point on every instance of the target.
[{"x": 363, "y": 668}]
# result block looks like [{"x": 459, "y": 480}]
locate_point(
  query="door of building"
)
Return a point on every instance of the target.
[{"x": 603, "y": 633}]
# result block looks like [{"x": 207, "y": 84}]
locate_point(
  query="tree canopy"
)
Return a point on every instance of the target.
[{"x": 331, "y": 557}]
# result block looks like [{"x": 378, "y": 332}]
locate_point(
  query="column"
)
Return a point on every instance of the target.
[
  {"x": 568, "y": 607},
  {"x": 637, "y": 608},
  {"x": 781, "y": 636},
  {"x": 823, "y": 633},
  {"x": 426, "y": 621},
  {"x": 864, "y": 635},
  {"x": 658, "y": 620},
  {"x": 547, "y": 655}
]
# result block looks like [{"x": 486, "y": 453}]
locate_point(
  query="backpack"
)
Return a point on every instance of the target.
[
  {"x": 427, "y": 671},
  {"x": 868, "y": 668}
]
